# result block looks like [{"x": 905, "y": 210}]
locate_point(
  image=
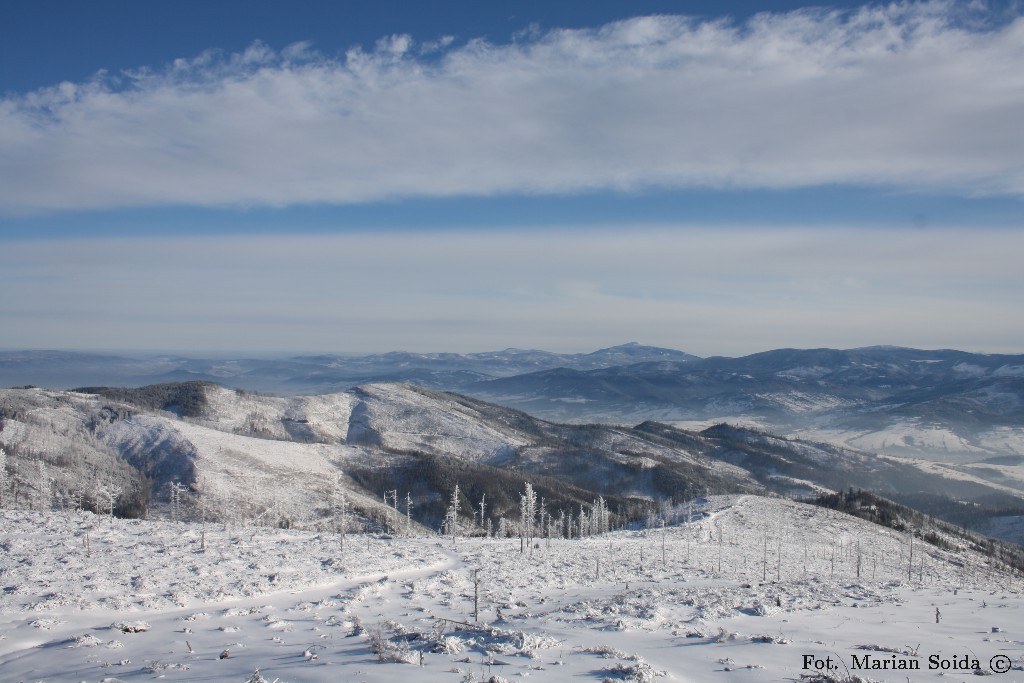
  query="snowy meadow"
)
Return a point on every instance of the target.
[{"x": 742, "y": 588}]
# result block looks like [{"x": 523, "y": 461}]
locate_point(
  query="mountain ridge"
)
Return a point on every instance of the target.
[
  {"x": 939, "y": 404},
  {"x": 382, "y": 438}
]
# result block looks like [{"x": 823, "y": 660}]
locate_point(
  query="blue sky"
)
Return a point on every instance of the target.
[{"x": 318, "y": 176}]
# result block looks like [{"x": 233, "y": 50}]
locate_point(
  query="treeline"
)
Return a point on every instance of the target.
[
  {"x": 430, "y": 479},
  {"x": 187, "y": 399},
  {"x": 53, "y": 459},
  {"x": 976, "y": 514},
  {"x": 77, "y": 478},
  {"x": 941, "y": 534}
]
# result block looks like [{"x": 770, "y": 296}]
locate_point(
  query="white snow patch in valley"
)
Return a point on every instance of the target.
[
  {"x": 969, "y": 370},
  {"x": 801, "y": 402},
  {"x": 804, "y": 372},
  {"x": 907, "y": 436}
]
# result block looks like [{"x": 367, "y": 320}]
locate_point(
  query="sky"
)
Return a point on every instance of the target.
[{"x": 717, "y": 177}]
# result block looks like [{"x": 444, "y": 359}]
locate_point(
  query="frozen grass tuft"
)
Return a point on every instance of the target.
[
  {"x": 391, "y": 649},
  {"x": 641, "y": 672},
  {"x": 820, "y": 677}
]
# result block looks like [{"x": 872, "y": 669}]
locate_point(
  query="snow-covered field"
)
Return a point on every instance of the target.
[{"x": 751, "y": 589}]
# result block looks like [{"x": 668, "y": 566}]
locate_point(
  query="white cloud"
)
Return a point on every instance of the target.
[
  {"x": 707, "y": 291},
  {"x": 899, "y": 96}
]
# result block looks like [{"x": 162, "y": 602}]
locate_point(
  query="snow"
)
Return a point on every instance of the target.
[
  {"x": 804, "y": 372},
  {"x": 402, "y": 418},
  {"x": 324, "y": 417},
  {"x": 1009, "y": 371},
  {"x": 741, "y": 593},
  {"x": 234, "y": 467},
  {"x": 1003, "y": 440},
  {"x": 904, "y": 437},
  {"x": 969, "y": 370},
  {"x": 799, "y": 402}
]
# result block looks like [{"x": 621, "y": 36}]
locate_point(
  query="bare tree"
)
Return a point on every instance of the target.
[
  {"x": 394, "y": 507},
  {"x": 339, "y": 508},
  {"x": 600, "y": 516},
  {"x": 5, "y": 480},
  {"x": 483, "y": 506},
  {"x": 408, "y": 514},
  {"x": 177, "y": 491},
  {"x": 910, "y": 563},
  {"x": 453, "y": 514},
  {"x": 527, "y": 513},
  {"x": 110, "y": 491},
  {"x": 43, "y": 487}
]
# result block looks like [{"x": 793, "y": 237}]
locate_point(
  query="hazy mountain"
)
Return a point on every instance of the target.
[
  {"x": 929, "y": 403},
  {"x": 941, "y": 405},
  {"x": 307, "y": 374}
]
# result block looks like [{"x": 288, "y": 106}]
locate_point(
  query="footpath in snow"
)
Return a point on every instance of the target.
[{"x": 752, "y": 590}]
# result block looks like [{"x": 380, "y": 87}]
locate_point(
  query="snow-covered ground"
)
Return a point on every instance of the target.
[{"x": 744, "y": 592}]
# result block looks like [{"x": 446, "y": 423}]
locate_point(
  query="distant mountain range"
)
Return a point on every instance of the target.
[
  {"x": 947, "y": 405},
  {"x": 309, "y": 374},
  {"x": 941, "y": 405}
]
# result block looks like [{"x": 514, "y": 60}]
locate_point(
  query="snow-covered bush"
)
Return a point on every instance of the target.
[{"x": 391, "y": 649}]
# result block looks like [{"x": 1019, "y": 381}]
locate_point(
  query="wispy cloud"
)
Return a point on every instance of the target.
[{"x": 908, "y": 96}]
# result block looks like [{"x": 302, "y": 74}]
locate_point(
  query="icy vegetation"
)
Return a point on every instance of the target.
[{"x": 733, "y": 588}]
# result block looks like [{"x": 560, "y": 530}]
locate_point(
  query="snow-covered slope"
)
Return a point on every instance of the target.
[
  {"x": 323, "y": 418},
  {"x": 281, "y": 460},
  {"x": 742, "y": 589},
  {"x": 403, "y": 417},
  {"x": 273, "y": 480},
  {"x": 54, "y": 457}
]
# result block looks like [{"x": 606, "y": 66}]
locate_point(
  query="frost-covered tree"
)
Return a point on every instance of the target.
[
  {"x": 527, "y": 515},
  {"x": 599, "y": 516},
  {"x": 339, "y": 509},
  {"x": 108, "y": 494},
  {"x": 394, "y": 510},
  {"x": 5, "y": 480},
  {"x": 408, "y": 514},
  {"x": 177, "y": 493},
  {"x": 542, "y": 517},
  {"x": 453, "y": 514},
  {"x": 43, "y": 487},
  {"x": 202, "y": 487},
  {"x": 584, "y": 522},
  {"x": 483, "y": 506}
]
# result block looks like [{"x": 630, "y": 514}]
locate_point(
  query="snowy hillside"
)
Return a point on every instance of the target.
[
  {"x": 735, "y": 589},
  {"x": 201, "y": 451}
]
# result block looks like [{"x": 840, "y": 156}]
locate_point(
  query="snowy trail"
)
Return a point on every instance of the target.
[
  {"x": 685, "y": 604},
  {"x": 189, "y": 640}
]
